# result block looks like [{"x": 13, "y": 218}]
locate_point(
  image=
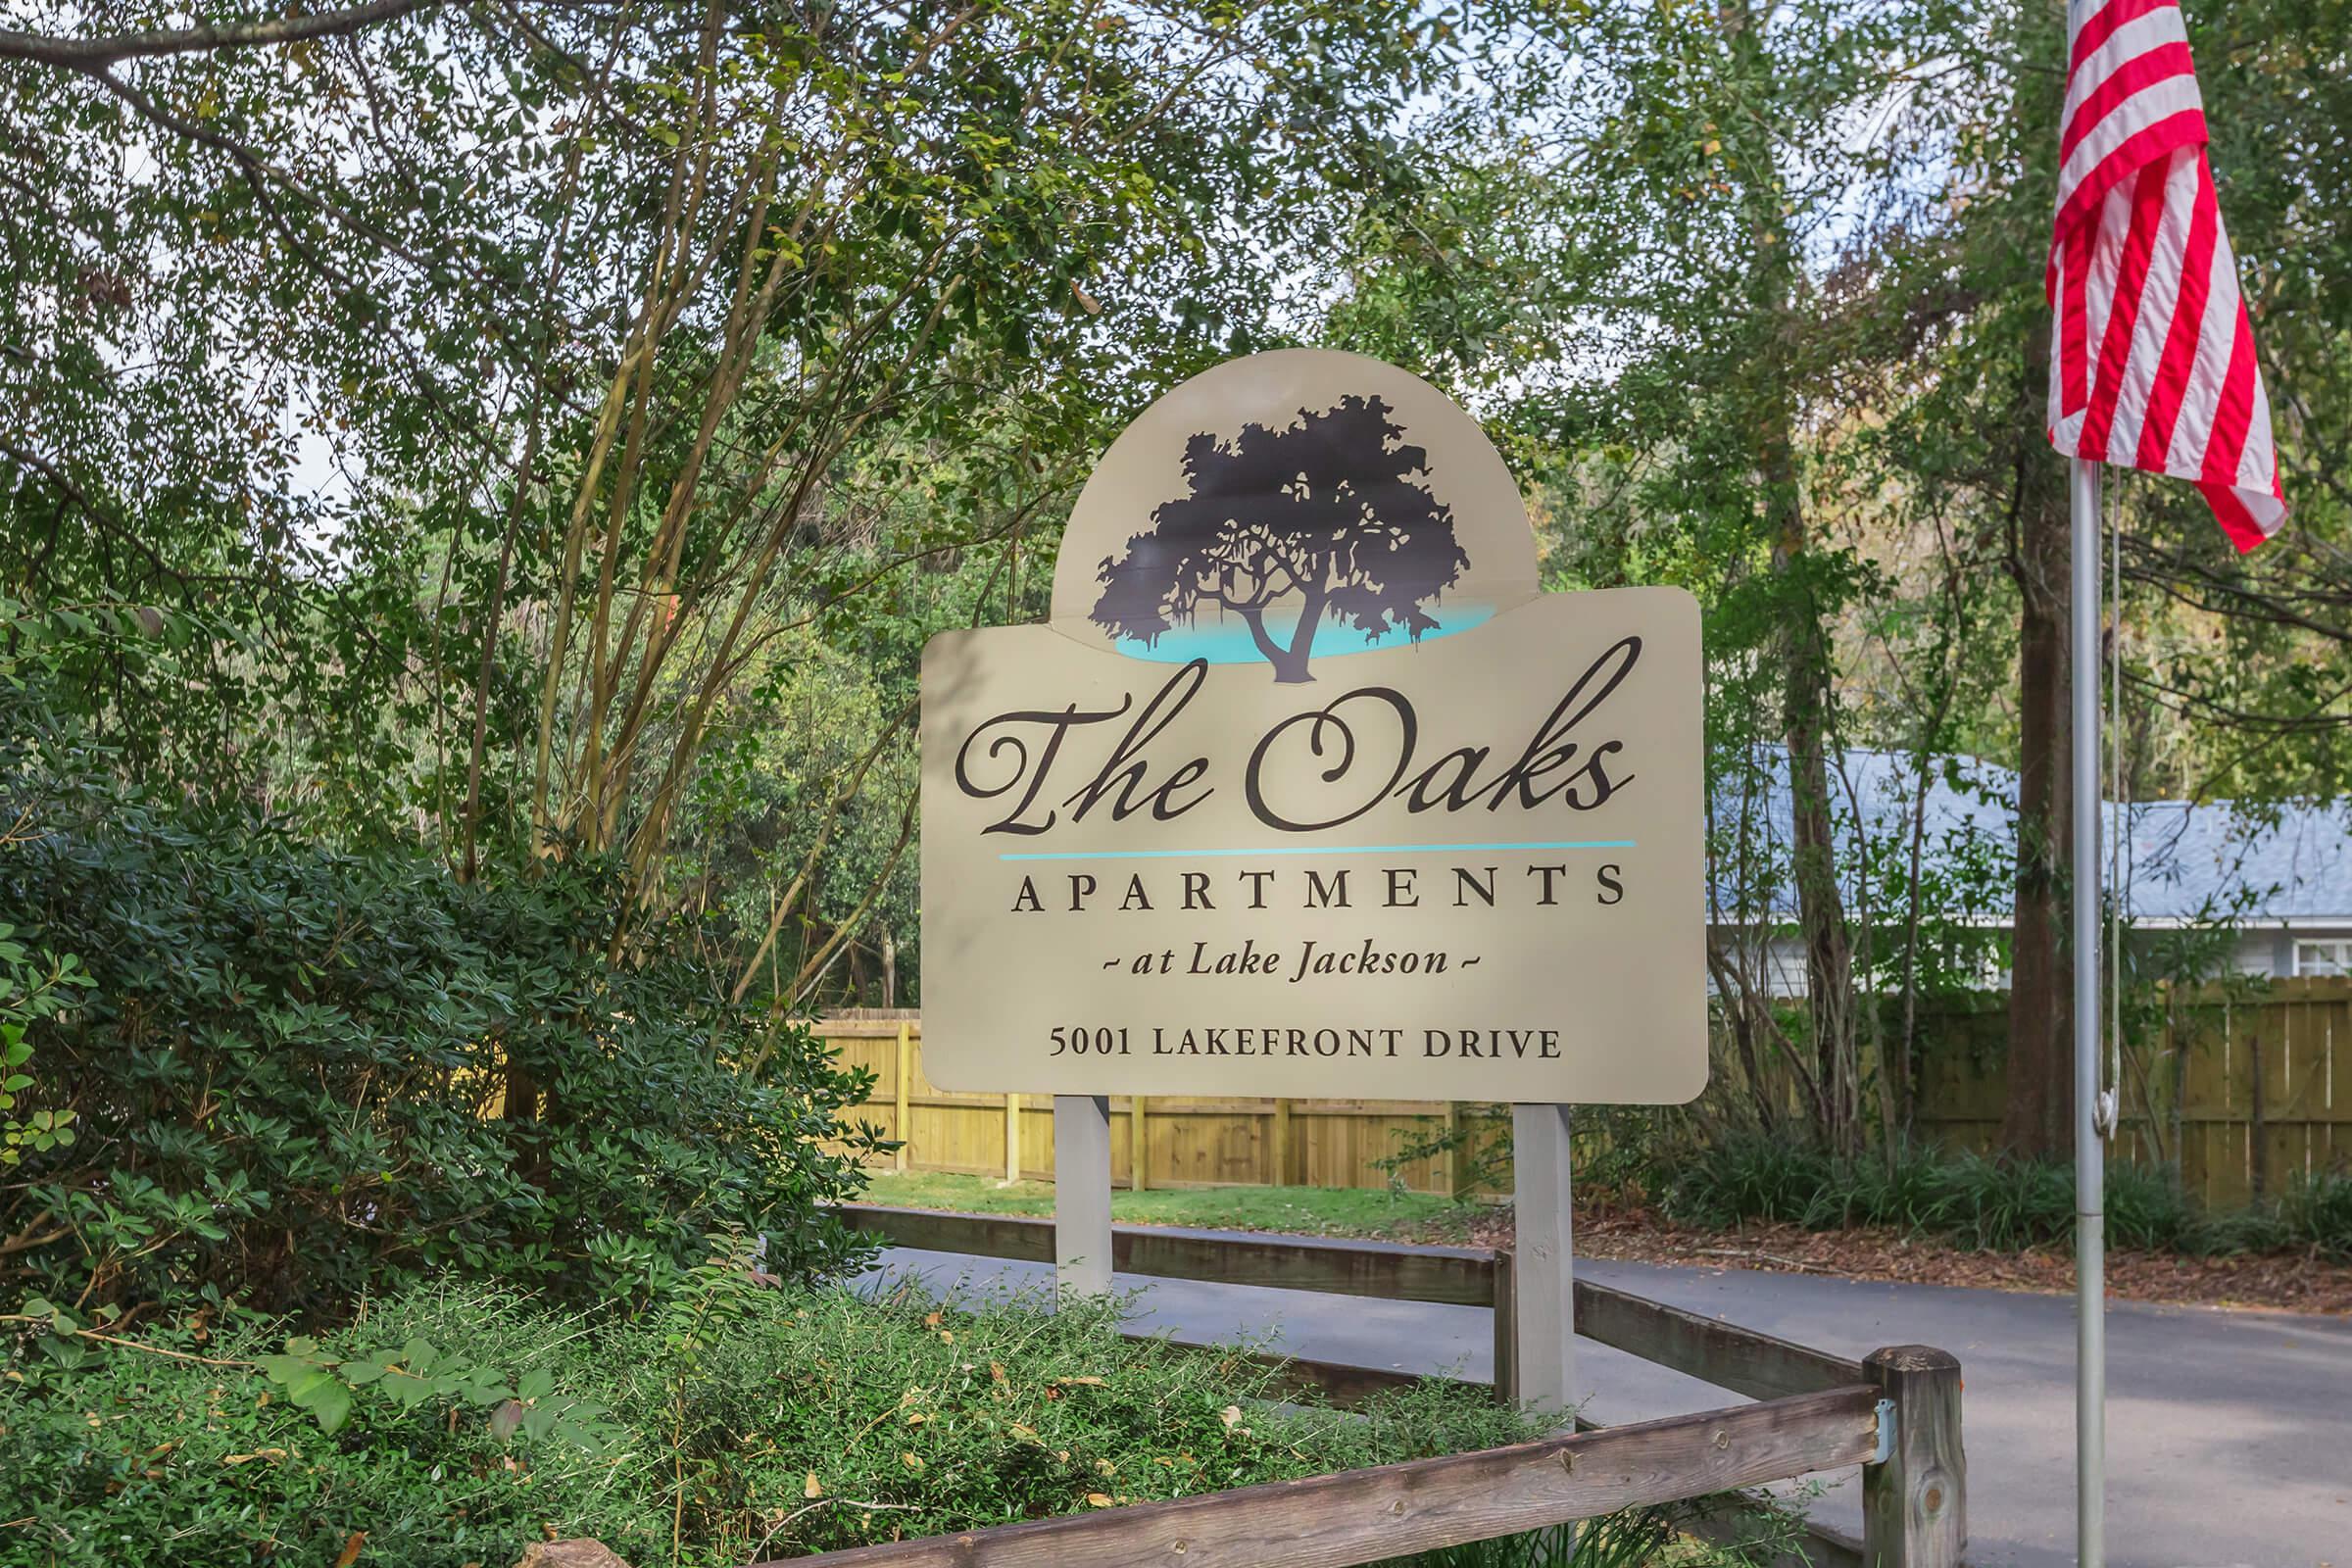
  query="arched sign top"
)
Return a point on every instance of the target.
[
  {"x": 1305, "y": 790},
  {"x": 1287, "y": 509}
]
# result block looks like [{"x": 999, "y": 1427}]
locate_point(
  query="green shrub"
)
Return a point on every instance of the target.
[
  {"x": 1640, "y": 1538},
  {"x": 1974, "y": 1201},
  {"x": 33, "y": 987},
  {"x": 1720, "y": 1185},
  {"x": 2145, "y": 1208},
  {"x": 746, "y": 1421},
  {"x": 1994, "y": 1205},
  {"x": 2001, "y": 1205},
  {"x": 2315, "y": 1214},
  {"x": 285, "y": 1073}
]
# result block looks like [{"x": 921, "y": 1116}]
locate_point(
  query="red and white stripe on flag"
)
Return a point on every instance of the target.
[{"x": 2153, "y": 350}]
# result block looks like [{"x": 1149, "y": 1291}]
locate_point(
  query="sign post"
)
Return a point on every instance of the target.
[
  {"x": 1081, "y": 1194},
  {"x": 1543, "y": 1273},
  {"x": 1305, "y": 790}
]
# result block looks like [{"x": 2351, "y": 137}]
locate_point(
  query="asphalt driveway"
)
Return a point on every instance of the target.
[{"x": 2229, "y": 1433}]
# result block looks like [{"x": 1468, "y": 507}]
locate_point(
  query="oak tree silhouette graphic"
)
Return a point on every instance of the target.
[{"x": 1327, "y": 512}]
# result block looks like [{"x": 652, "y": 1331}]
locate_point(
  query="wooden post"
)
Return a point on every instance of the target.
[
  {"x": 1453, "y": 1162},
  {"x": 904, "y": 1157},
  {"x": 1545, "y": 1293},
  {"x": 1282, "y": 1144},
  {"x": 1915, "y": 1504},
  {"x": 1012, "y": 1138},
  {"x": 2258, "y": 1162},
  {"x": 1139, "y": 1144},
  {"x": 1081, "y": 1194},
  {"x": 1506, "y": 1333}
]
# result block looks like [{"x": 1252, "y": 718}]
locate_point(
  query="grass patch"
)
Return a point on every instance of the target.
[
  {"x": 1298, "y": 1211},
  {"x": 743, "y": 1423},
  {"x": 740, "y": 1423}
]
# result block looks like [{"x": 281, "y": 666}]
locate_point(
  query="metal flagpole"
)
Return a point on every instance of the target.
[{"x": 2090, "y": 1168}]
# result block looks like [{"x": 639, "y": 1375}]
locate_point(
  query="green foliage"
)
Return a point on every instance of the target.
[
  {"x": 416, "y": 1372},
  {"x": 406, "y": 385},
  {"x": 1479, "y": 1143},
  {"x": 1976, "y": 1203},
  {"x": 325, "y": 1385},
  {"x": 1615, "y": 1150},
  {"x": 750, "y": 1420},
  {"x": 31, "y": 989},
  {"x": 294, "y": 1075},
  {"x": 1640, "y": 1538},
  {"x": 1998, "y": 1205},
  {"x": 2317, "y": 1212}
]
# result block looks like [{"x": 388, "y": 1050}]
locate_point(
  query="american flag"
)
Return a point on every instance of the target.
[{"x": 2154, "y": 348}]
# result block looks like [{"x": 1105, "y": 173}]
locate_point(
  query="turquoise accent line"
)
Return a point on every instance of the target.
[
  {"x": 1307, "y": 848},
  {"x": 1227, "y": 640}
]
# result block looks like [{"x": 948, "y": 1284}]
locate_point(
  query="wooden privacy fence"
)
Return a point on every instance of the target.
[
  {"x": 1203, "y": 1141},
  {"x": 2244, "y": 1088},
  {"x": 1897, "y": 1413},
  {"x": 2239, "y": 1087}
]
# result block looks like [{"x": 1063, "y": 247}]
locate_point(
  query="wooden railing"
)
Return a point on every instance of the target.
[
  {"x": 1896, "y": 1412},
  {"x": 1362, "y": 1516}
]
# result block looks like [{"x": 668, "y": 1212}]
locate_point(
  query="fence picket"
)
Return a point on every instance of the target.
[{"x": 2192, "y": 1097}]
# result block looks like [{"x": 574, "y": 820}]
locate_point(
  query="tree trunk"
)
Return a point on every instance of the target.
[
  {"x": 521, "y": 1110},
  {"x": 2038, "y": 1118},
  {"x": 1290, "y": 663},
  {"x": 1778, "y": 325},
  {"x": 1821, "y": 905},
  {"x": 1302, "y": 639},
  {"x": 1290, "y": 668},
  {"x": 520, "y": 1100}
]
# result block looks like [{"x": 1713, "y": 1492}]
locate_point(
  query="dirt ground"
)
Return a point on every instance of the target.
[{"x": 2292, "y": 1281}]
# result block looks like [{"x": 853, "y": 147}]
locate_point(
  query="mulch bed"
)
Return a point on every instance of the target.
[{"x": 2291, "y": 1282}]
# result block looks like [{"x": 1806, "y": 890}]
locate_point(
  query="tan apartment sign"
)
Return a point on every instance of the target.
[{"x": 1305, "y": 789}]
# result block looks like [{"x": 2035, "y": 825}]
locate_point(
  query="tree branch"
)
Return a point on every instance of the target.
[{"x": 96, "y": 54}]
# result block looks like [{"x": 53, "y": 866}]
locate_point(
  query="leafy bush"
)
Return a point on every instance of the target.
[
  {"x": 296, "y": 1075},
  {"x": 2316, "y": 1213},
  {"x": 1616, "y": 1149},
  {"x": 1996, "y": 1204},
  {"x": 1639, "y": 1538},
  {"x": 731, "y": 1423},
  {"x": 31, "y": 988},
  {"x": 2146, "y": 1208},
  {"x": 1720, "y": 1185},
  {"x": 2313, "y": 1215}
]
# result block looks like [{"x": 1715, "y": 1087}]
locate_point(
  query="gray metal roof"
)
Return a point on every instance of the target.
[
  {"x": 2177, "y": 860},
  {"x": 2227, "y": 860}
]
